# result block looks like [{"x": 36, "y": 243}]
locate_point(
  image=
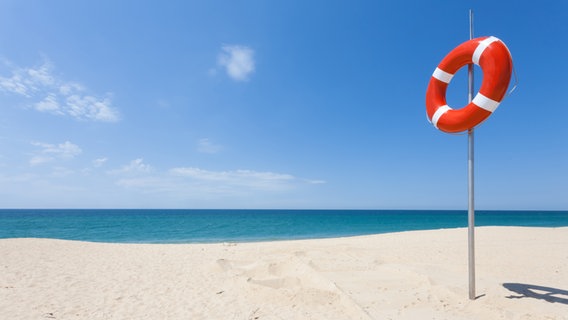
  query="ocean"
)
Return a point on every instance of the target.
[{"x": 210, "y": 226}]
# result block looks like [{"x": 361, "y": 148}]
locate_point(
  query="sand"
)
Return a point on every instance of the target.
[{"x": 522, "y": 273}]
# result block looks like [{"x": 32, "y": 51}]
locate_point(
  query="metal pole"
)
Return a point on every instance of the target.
[{"x": 470, "y": 209}]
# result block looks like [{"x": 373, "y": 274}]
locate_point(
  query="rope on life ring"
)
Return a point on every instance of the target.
[{"x": 494, "y": 58}]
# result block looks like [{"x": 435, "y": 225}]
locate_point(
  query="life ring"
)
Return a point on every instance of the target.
[{"x": 492, "y": 55}]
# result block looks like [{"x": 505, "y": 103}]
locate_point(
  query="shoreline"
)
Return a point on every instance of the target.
[
  {"x": 263, "y": 240},
  {"x": 399, "y": 275},
  {"x": 200, "y": 226}
]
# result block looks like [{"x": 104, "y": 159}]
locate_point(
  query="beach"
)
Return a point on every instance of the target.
[{"x": 521, "y": 273}]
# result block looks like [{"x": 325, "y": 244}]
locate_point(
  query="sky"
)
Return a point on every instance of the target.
[{"x": 273, "y": 104}]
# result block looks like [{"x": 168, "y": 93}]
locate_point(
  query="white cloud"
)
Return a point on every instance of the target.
[
  {"x": 60, "y": 172},
  {"x": 46, "y": 93},
  {"x": 97, "y": 163},
  {"x": 316, "y": 181},
  {"x": 49, "y": 152},
  {"x": 203, "y": 182},
  {"x": 237, "y": 178},
  {"x": 91, "y": 108},
  {"x": 41, "y": 76},
  {"x": 135, "y": 166},
  {"x": 39, "y": 159},
  {"x": 64, "y": 150},
  {"x": 237, "y": 60},
  {"x": 27, "y": 81},
  {"x": 207, "y": 146},
  {"x": 49, "y": 104},
  {"x": 67, "y": 89}
]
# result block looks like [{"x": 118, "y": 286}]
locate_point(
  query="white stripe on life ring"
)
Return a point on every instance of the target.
[
  {"x": 441, "y": 110},
  {"x": 485, "y": 103},
  {"x": 481, "y": 47},
  {"x": 442, "y": 75}
]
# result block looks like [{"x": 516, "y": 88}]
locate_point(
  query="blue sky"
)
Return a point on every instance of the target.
[{"x": 272, "y": 104}]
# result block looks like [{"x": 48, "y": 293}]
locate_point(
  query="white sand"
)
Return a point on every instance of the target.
[{"x": 410, "y": 275}]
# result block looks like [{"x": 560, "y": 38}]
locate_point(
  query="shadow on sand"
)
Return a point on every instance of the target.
[{"x": 548, "y": 294}]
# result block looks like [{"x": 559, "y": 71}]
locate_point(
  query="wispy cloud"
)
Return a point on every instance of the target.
[
  {"x": 315, "y": 181},
  {"x": 138, "y": 174},
  {"x": 207, "y": 146},
  {"x": 238, "y": 178},
  {"x": 134, "y": 167},
  {"x": 137, "y": 183},
  {"x": 45, "y": 92},
  {"x": 48, "y": 152},
  {"x": 194, "y": 182},
  {"x": 97, "y": 163},
  {"x": 237, "y": 60},
  {"x": 27, "y": 82}
]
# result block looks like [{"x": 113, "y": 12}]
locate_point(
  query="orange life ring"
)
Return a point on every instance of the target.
[{"x": 495, "y": 61}]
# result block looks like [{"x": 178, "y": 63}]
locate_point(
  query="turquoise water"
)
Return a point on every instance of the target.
[{"x": 191, "y": 226}]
